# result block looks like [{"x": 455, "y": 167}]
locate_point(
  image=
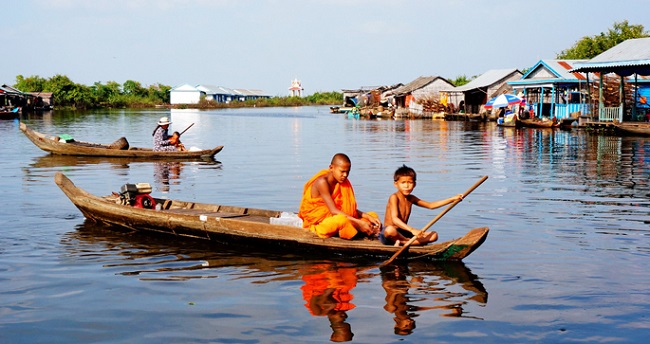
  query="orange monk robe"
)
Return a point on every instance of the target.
[{"x": 317, "y": 217}]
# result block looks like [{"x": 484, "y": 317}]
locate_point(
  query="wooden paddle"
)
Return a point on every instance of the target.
[
  {"x": 183, "y": 132},
  {"x": 406, "y": 246}
]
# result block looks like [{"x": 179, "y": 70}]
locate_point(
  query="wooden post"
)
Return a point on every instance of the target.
[
  {"x": 621, "y": 99},
  {"x": 600, "y": 96}
]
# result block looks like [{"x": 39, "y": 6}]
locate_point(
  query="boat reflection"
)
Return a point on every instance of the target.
[
  {"x": 166, "y": 173},
  {"x": 55, "y": 160},
  {"x": 327, "y": 287}
]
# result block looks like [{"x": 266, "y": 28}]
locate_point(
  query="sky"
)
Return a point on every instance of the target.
[{"x": 328, "y": 45}]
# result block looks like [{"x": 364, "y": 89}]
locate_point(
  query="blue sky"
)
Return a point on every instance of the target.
[{"x": 329, "y": 45}]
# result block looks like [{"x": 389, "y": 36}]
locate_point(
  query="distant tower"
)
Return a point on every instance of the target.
[{"x": 295, "y": 88}]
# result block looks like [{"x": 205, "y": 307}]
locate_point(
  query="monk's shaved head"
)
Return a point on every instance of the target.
[{"x": 340, "y": 158}]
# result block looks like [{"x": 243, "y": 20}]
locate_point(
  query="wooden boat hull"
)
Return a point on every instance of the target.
[
  {"x": 248, "y": 227},
  {"x": 9, "y": 115},
  {"x": 80, "y": 148},
  {"x": 642, "y": 129},
  {"x": 537, "y": 123}
]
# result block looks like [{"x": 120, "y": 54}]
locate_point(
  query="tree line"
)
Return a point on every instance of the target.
[
  {"x": 132, "y": 94},
  {"x": 69, "y": 94}
]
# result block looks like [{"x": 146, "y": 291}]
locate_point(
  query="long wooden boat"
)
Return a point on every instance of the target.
[
  {"x": 80, "y": 148},
  {"x": 538, "y": 123},
  {"x": 247, "y": 227},
  {"x": 634, "y": 128}
]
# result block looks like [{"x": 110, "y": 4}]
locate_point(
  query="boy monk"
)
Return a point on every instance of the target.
[
  {"x": 396, "y": 230},
  {"x": 329, "y": 208}
]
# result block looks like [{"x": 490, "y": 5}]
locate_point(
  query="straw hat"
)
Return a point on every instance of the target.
[{"x": 164, "y": 121}]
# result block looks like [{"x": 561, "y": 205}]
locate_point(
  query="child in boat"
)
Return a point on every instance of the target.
[
  {"x": 162, "y": 141},
  {"x": 396, "y": 230},
  {"x": 329, "y": 208}
]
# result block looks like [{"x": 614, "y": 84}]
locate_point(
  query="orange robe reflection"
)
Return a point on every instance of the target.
[
  {"x": 329, "y": 293},
  {"x": 317, "y": 217}
]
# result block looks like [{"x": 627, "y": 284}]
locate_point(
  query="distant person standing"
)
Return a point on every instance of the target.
[{"x": 161, "y": 139}]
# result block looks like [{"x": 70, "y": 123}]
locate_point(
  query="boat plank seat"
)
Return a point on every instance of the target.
[{"x": 203, "y": 212}]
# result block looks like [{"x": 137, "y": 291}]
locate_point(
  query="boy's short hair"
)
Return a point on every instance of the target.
[{"x": 404, "y": 171}]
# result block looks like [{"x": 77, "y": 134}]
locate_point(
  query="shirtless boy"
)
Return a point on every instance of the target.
[
  {"x": 329, "y": 207},
  {"x": 396, "y": 230}
]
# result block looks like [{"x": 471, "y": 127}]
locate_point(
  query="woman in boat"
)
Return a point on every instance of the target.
[{"x": 161, "y": 139}]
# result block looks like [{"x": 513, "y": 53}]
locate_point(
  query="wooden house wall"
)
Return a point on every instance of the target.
[{"x": 432, "y": 89}]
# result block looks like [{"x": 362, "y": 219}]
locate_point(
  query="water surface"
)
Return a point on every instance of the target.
[{"x": 566, "y": 259}]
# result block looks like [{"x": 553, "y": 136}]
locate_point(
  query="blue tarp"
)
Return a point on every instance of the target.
[{"x": 643, "y": 97}]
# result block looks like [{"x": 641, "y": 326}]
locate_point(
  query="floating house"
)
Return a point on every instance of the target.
[
  {"x": 406, "y": 97},
  {"x": 369, "y": 96},
  {"x": 244, "y": 94},
  {"x": 629, "y": 59},
  {"x": 218, "y": 94},
  {"x": 41, "y": 100},
  {"x": 184, "y": 94},
  {"x": 552, "y": 89},
  {"x": 188, "y": 94},
  {"x": 469, "y": 98}
]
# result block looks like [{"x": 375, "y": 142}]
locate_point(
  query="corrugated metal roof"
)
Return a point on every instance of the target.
[
  {"x": 184, "y": 88},
  {"x": 211, "y": 89},
  {"x": 414, "y": 85},
  {"x": 628, "y": 50},
  {"x": 250, "y": 92},
  {"x": 628, "y": 57},
  {"x": 6, "y": 89},
  {"x": 486, "y": 79}
]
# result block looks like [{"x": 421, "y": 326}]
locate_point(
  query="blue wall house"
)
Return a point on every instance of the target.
[
  {"x": 552, "y": 89},
  {"x": 217, "y": 94},
  {"x": 477, "y": 92},
  {"x": 629, "y": 61},
  {"x": 244, "y": 94}
]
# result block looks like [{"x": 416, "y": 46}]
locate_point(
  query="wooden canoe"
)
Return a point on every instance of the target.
[
  {"x": 248, "y": 227},
  {"x": 634, "y": 128},
  {"x": 9, "y": 114},
  {"x": 80, "y": 148},
  {"x": 538, "y": 123}
]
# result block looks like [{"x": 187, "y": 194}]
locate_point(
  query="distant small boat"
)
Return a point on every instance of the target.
[
  {"x": 509, "y": 120},
  {"x": 11, "y": 114},
  {"x": 539, "y": 123},
  {"x": 118, "y": 149}
]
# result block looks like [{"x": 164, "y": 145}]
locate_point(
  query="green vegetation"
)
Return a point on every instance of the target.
[
  {"x": 68, "y": 94},
  {"x": 461, "y": 80},
  {"x": 590, "y": 47},
  {"x": 131, "y": 94}
]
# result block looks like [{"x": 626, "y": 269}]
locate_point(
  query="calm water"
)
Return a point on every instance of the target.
[{"x": 567, "y": 259}]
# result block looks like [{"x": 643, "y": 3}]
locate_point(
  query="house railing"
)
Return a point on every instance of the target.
[
  {"x": 609, "y": 114},
  {"x": 563, "y": 111}
]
